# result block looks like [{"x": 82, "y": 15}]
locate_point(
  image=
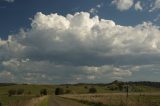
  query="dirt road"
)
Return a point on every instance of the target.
[{"x": 58, "y": 101}]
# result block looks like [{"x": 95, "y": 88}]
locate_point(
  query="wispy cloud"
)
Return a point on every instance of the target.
[
  {"x": 95, "y": 10},
  {"x": 157, "y": 18},
  {"x": 155, "y": 6},
  {"x": 123, "y": 5},
  {"x": 138, "y": 6},
  {"x": 10, "y": 1}
]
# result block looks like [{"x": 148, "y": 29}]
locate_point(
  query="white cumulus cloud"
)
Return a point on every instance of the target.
[
  {"x": 123, "y": 5},
  {"x": 78, "y": 47},
  {"x": 138, "y": 6},
  {"x": 155, "y": 6}
]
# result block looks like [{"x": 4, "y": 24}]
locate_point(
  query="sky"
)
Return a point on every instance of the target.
[{"x": 79, "y": 41}]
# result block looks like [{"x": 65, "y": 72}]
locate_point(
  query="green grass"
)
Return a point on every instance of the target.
[
  {"x": 75, "y": 89},
  {"x": 33, "y": 89},
  {"x": 80, "y": 89},
  {"x": 44, "y": 102},
  {"x": 67, "y": 102},
  {"x": 6, "y": 100}
]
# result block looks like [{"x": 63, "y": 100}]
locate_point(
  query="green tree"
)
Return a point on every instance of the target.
[
  {"x": 59, "y": 91},
  {"x": 11, "y": 92},
  {"x": 20, "y": 91},
  {"x": 43, "y": 92},
  {"x": 92, "y": 90}
]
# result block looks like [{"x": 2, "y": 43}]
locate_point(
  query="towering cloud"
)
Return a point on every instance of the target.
[{"x": 78, "y": 47}]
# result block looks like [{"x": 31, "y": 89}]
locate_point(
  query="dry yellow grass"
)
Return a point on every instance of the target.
[
  {"x": 119, "y": 99},
  {"x": 32, "y": 102}
]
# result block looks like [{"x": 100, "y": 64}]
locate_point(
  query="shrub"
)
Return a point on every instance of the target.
[
  {"x": 86, "y": 87},
  {"x": 37, "y": 95},
  {"x": 92, "y": 90},
  {"x": 59, "y": 91},
  {"x": 29, "y": 92},
  {"x": 20, "y": 91},
  {"x": 113, "y": 87},
  {"x": 120, "y": 86},
  {"x": 11, "y": 92},
  {"x": 43, "y": 92},
  {"x": 67, "y": 86},
  {"x": 68, "y": 91}
]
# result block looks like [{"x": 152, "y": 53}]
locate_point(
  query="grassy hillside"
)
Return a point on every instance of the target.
[
  {"x": 30, "y": 91},
  {"x": 33, "y": 91}
]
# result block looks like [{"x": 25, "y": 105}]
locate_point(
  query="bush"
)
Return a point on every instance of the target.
[
  {"x": 29, "y": 92},
  {"x": 86, "y": 87},
  {"x": 113, "y": 87},
  {"x": 20, "y": 91},
  {"x": 43, "y": 92},
  {"x": 67, "y": 86},
  {"x": 59, "y": 91},
  {"x": 92, "y": 90},
  {"x": 37, "y": 95},
  {"x": 11, "y": 92},
  {"x": 68, "y": 91}
]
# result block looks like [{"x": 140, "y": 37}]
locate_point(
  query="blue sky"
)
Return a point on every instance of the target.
[
  {"x": 15, "y": 15},
  {"x": 59, "y": 41}
]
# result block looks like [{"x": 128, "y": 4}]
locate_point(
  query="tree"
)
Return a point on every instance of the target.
[
  {"x": 92, "y": 90},
  {"x": 59, "y": 91},
  {"x": 43, "y": 92},
  {"x": 29, "y": 92},
  {"x": 20, "y": 91},
  {"x": 11, "y": 92},
  {"x": 86, "y": 87},
  {"x": 68, "y": 91},
  {"x": 113, "y": 87},
  {"x": 120, "y": 86}
]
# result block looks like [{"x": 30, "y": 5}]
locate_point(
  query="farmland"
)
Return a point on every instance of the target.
[
  {"x": 118, "y": 99},
  {"x": 113, "y": 94}
]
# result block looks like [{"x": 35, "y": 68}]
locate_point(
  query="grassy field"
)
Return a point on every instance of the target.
[
  {"x": 30, "y": 92},
  {"x": 107, "y": 94},
  {"x": 43, "y": 102},
  {"x": 59, "y": 101},
  {"x": 117, "y": 99}
]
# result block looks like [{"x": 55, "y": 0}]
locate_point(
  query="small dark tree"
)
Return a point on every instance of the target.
[
  {"x": 29, "y": 92},
  {"x": 92, "y": 90},
  {"x": 67, "y": 86},
  {"x": 43, "y": 92},
  {"x": 68, "y": 91},
  {"x": 11, "y": 92},
  {"x": 20, "y": 91},
  {"x": 59, "y": 91},
  {"x": 113, "y": 87},
  {"x": 86, "y": 87},
  {"x": 120, "y": 86}
]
